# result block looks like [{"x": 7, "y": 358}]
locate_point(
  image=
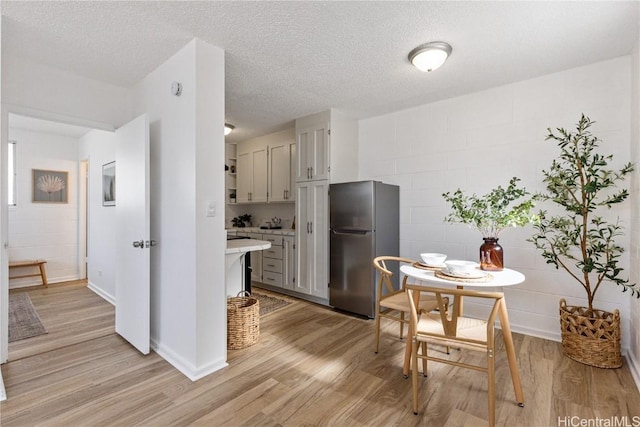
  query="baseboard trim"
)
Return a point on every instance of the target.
[
  {"x": 538, "y": 333},
  {"x": 30, "y": 283},
  {"x": 3, "y": 393},
  {"x": 186, "y": 368},
  {"x": 105, "y": 296}
]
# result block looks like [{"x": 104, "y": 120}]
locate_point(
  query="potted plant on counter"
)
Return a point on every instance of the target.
[
  {"x": 490, "y": 214},
  {"x": 241, "y": 221},
  {"x": 583, "y": 243}
]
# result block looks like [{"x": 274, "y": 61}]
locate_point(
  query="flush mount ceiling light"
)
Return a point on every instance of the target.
[
  {"x": 228, "y": 128},
  {"x": 430, "y": 56}
]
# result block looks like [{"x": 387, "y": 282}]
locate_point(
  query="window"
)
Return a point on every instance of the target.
[{"x": 12, "y": 173}]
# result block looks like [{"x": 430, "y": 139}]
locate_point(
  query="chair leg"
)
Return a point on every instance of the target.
[
  {"x": 377, "y": 330},
  {"x": 491, "y": 370},
  {"x": 414, "y": 376},
  {"x": 424, "y": 359},
  {"x": 401, "y": 324}
]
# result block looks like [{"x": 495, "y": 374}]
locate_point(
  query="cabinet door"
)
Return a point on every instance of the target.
[
  {"x": 293, "y": 161},
  {"x": 313, "y": 153},
  {"x": 303, "y": 154},
  {"x": 289, "y": 260},
  {"x": 279, "y": 172},
  {"x": 259, "y": 177},
  {"x": 312, "y": 238},
  {"x": 319, "y": 239},
  {"x": 319, "y": 160},
  {"x": 243, "y": 177},
  {"x": 302, "y": 238}
]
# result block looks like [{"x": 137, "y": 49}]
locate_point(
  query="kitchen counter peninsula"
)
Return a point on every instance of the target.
[{"x": 234, "y": 262}]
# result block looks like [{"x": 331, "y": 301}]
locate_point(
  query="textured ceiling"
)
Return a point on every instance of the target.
[{"x": 289, "y": 59}]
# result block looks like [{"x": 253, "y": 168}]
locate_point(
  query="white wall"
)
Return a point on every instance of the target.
[
  {"x": 480, "y": 140},
  {"x": 44, "y": 230},
  {"x": 188, "y": 300},
  {"x": 98, "y": 147},
  {"x": 41, "y": 88},
  {"x": 634, "y": 347}
]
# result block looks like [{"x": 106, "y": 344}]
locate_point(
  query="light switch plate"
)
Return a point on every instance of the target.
[{"x": 211, "y": 209}]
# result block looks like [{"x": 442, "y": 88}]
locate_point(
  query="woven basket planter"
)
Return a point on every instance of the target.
[
  {"x": 243, "y": 322},
  {"x": 592, "y": 338}
]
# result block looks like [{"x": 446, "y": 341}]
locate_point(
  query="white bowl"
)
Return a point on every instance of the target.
[
  {"x": 433, "y": 259},
  {"x": 463, "y": 268}
]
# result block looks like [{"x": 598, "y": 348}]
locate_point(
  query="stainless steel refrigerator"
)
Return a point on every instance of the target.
[{"x": 364, "y": 222}]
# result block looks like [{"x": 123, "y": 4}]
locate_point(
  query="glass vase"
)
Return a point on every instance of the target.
[{"x": 491, "y": 257}]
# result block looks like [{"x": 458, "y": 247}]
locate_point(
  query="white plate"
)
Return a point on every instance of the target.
[
  {"x": 422, "y": 264},
  {"x": 474, "y": 275}
]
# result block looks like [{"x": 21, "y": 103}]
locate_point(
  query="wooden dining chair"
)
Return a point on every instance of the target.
[
  {"x": 453, "y": 329},
  {"x": 393, "y": 304}
]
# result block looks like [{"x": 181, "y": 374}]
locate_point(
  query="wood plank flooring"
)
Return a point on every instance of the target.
[{"x": 312, "y": 366}]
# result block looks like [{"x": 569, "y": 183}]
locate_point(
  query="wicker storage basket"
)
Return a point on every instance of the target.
[
  {"x": 592, "y": 338},
  {"x": 243, "y": 322}
]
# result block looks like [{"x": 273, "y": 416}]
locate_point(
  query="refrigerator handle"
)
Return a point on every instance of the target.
[{"x": 351, "y": 232}]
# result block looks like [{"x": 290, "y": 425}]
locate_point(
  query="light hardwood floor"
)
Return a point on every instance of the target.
[{"x": 312, "y": 366}]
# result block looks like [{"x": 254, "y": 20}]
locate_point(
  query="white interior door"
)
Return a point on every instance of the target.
[{"x": 132, "y": 219}]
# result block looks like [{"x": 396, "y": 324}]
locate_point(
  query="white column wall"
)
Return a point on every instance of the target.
[
  {"x": 481, "y": 140},
  {"x": 211, "y": 243},
  {"x": 44, "y": 230},
  {"x": 187, "y": 147}
]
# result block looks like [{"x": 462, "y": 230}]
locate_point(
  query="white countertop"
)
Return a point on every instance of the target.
[
  {"x": 246, "y": 245},
  {"x": 277, "y": 232}
]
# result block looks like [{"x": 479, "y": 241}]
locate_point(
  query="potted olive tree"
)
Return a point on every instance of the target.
[
  {"x": 490, "y": 214},
  {"x": 581, "y": 242}
]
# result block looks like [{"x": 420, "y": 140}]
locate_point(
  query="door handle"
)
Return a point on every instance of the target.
[
  {"x": 138, "y": 244},
  {"x": 311, "y": 227},
  {"x": 149, "y": 243}
]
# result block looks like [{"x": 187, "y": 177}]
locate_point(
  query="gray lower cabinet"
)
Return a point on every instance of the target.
[
  {"x": 275, "y": 266},
  {"x": 272, "y": 261}
]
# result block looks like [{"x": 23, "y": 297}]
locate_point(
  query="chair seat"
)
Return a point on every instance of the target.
[
  {"x": 398, "y": 301},
  {"x": 467, "y": 328}
]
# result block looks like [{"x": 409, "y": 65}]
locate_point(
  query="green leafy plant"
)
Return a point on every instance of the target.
[
  {"x": 240, "y": 221},
  {"x": 493, "y": 212},
  {"x": 579, "y": 241}
]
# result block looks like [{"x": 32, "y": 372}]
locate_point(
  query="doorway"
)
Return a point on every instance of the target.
[{"x": 57, "y": 232}]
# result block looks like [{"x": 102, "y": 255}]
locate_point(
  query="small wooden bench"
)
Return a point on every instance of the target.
[{"x": 26, "y": 264}]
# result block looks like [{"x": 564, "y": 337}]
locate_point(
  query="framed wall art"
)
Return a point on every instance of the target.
[
  {"x": 109, "y": 184},
  {"x": 50, "y": 186}
]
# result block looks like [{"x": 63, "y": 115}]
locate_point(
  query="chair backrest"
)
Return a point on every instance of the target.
[
  {"x": 388, "y": 266},
  {"x": 449, "y": 319}
]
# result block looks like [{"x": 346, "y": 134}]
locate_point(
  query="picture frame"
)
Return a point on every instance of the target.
[
  {"x": 109, "y": 184},
  {"x": 49, "y": 186}
]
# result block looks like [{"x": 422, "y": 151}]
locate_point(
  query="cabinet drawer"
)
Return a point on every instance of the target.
[
  {"x": 275, "y": 240},
  {"x": 273, "y": 252},
  {"x": 271, "y": 278},
  {"x": 272, "y": 265}
]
